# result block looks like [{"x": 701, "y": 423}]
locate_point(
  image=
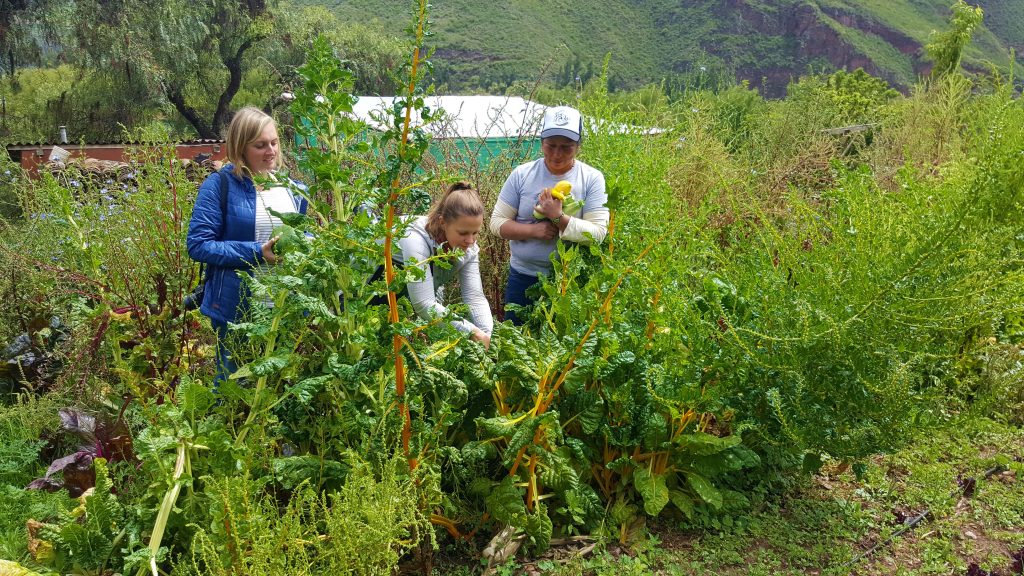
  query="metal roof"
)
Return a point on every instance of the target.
[
  {"x": 73, "y": 145},
  {"x": 483, "y": 117},
  {"x": 465, "y": 116}
]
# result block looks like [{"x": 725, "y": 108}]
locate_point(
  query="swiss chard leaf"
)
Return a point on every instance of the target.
[
  {"x": 505, "y": 502},
  {"x": 702, "y": 444},
  {"x": 652, "y": 488},
  {"x": 539, "y": 528},
  {"x": 705, "y": 490}
]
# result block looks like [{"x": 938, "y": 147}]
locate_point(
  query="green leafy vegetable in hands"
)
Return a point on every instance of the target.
[
  {"x": 288, "y": 239},
  {"x": 570, "y": 205}
]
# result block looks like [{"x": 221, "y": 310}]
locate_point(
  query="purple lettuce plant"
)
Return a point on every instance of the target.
[{"x": 96, "y": 437}]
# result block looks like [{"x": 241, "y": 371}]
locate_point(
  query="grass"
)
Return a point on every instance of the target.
[
  {"x": 890, "y": 60},
  {"x": 1004, "y": 17},
  {"x": 832, "y": 519},
  {"x": 659, "y": 38},
  {"x": 23, "y": 423}
]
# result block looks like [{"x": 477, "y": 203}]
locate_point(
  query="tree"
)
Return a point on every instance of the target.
[
  {"x": 202, "y": 58},
  {"x": 857, "y": 95},
  {"x": 11, "y": 35},
  {"x": 94, "y": 105},
  {"x": 946, "y": 48},
  {"x": 193, "y": 53},
  {"x": 366, "y": 50}
]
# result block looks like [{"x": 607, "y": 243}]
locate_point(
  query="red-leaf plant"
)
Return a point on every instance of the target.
[{"x": 96, "y": 436}]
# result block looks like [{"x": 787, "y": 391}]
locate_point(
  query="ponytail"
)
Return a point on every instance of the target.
[{"x": 459, "y": 200}]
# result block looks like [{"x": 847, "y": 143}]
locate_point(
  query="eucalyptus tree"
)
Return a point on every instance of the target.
[
  {"x": 11, "y": 35},
  {"x": 192, "y": 53},
  {"x": 190, "y": 60}
]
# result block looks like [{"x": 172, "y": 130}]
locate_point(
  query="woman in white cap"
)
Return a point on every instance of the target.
[{"x": 533, "y": 220}]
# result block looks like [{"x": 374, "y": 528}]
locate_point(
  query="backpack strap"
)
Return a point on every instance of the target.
[{"x": 223, "y": 199}]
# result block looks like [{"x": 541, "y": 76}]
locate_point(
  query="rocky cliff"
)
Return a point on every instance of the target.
[{"x": 816, "y": 37}]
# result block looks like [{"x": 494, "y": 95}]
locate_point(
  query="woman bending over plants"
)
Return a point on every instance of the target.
[
  {"x": 231, "y": 226},
  {"x": 453, "y": 223}
]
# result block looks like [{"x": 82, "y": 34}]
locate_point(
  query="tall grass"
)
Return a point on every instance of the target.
[
  {"x": 362, "y": 529},
  {"x": 825, "y": 300}
]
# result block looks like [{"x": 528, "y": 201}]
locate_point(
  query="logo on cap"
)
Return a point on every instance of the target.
[{"x": 561, "y": 118}]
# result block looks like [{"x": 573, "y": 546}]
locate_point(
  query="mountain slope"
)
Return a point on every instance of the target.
[{"x": 492, "y": 44}]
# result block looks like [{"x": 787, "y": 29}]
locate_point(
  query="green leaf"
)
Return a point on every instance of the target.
[
  {"x": 736, "y": 458},
  {"x": 584, "y": 506},
  {"x": 652, "y": 488},
  {"x": 194, "y": 398},
  {"x": 556, "y": 471},
  {"x": 263, "y": 366},
  {"x": 588, "y": 408},
  {"x": 90, "y": 538},
  {"x": 860, "y": 470},
  {"x": 155, "y": 442},
  {"x": 480, "y": 486},
  {"x": 812, "y": 462},
  {"x": 622, "y": 512},
  {"x": 505, "y": 501},
  {"x": 683, "y": 502},
  {"x": 231, "y": 390},
  {"x": 314, "y": 306},
  {"x": 444, "y": 384},
  {"x": 292, "y": 282},
  {"x": 496, "y": 427},
  {"x": 705, "y": 490},
  {"x": 267, "y": 366},
  {"x": 538, "y": 528},
  {"x": 702, "y": 444},
  {"x": 294, "y": 470},
  {"x": 294, "y": 219},
  {"x": 620, "y": 463},
  {"x": 10, "y": 568},
  {"x": 476, "y": 452},
  {"x": 523, "y": 435},
  {"x": 306, "y": 389},
  {"x": 242, "y": 372}
]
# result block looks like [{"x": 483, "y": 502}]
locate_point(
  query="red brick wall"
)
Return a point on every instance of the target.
[{"x": 33, "y": 157}]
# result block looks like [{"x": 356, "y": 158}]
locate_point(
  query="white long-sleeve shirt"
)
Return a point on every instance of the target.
[{"x": 426, "y": 294}]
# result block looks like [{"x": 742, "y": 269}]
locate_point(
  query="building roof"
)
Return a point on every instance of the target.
[
  {"x": 465, "y": 116},
  {"x": 76, "y": 145},
  {"x": 483, "y": 117}
]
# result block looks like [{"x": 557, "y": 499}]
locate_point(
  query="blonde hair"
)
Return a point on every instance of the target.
[
  {"x": 460, "y": 200},
  {"x": 246, "y": 126}
]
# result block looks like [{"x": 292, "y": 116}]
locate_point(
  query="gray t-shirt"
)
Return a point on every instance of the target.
[{"x": 521, "y": 191}]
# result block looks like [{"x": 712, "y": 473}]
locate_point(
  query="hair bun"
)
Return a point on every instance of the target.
[{"x": 461, "y": 185}]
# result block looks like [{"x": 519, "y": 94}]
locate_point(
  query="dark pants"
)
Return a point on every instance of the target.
[
  {"x": 515, "y": 293},
  {"x": 382, "y": 299},
  {"x": 225, "y": 363}
]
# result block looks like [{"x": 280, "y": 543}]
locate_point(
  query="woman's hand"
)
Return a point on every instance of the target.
[
  {"x": 480, "y": 337},
  {"x": 545, "y": 230},
  {"x": 548, "y": 205},
  {"x": 268, "y": 251}
]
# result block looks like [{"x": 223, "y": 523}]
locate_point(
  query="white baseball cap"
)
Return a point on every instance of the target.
[{"x": 562, "y": 121}]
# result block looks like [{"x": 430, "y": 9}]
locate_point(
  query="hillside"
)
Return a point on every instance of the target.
[{"x": 491, "y": 44}]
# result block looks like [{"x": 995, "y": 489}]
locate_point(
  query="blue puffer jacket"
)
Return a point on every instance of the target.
[{"x": 226, "y": 245}]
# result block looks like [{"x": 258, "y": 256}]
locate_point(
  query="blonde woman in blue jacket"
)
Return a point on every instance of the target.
[{"x": 234, "y": 241}]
